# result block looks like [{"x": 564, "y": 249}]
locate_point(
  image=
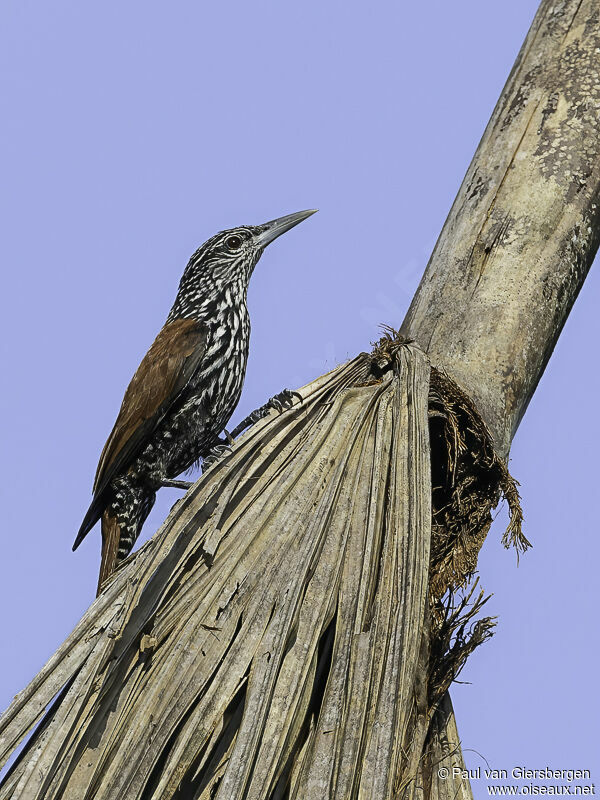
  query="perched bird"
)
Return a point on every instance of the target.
[{"x": 184, "y": 390}]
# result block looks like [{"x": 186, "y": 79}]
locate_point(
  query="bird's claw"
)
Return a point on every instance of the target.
[
  {"x": 280, "y": 402},
  {"x": 215, "y": 454},
  {"x": 286, "y": 398}
]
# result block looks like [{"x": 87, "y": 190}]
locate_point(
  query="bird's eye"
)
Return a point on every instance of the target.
[{"x": 234, "y": 243}]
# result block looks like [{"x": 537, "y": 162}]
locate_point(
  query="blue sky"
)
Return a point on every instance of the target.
[{"x": 131, "y": 133}]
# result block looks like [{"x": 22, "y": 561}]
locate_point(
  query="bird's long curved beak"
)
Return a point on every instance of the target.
[{"x": 271, "y": 230}]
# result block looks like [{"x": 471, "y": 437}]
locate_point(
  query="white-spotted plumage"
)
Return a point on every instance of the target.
[
  {"x": 172, "y": 416},
  {"x": 216, "y": 297}
]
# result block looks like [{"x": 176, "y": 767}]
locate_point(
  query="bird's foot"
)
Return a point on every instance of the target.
[
  {"x": 174, "y": 484},
  {"x": 215, "y": 454},
  {"x": 280, "y": 402}
]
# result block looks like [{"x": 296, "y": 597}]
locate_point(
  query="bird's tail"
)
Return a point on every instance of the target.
[
  {"x": 92, "y": 516},
  {"x": 111, "y": 536}
]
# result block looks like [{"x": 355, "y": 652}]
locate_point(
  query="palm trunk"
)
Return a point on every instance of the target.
[{"x": 523, "y": 230}]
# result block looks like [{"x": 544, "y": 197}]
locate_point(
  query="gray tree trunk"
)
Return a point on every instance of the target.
[
  {"x": 293, "y": 628},
  {"x": 523, "y": 230}
]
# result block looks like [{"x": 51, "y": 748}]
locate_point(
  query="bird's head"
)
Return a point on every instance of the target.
[{"x": 227, "y": 260}]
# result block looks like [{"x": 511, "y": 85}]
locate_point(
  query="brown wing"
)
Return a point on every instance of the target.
[{"x": 164, "y": 371}]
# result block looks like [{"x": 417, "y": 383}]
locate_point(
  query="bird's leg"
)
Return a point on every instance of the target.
[
  {"x": 280, "y": 402},
  {"x": 174, "y": 484}
]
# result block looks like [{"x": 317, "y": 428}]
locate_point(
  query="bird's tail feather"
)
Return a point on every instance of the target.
[
  {"x": 92, "y": 516},
  {"x": 111, "y": 535}
]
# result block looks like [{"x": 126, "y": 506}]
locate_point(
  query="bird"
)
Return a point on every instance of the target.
[{"x": 184, "y": 391}]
